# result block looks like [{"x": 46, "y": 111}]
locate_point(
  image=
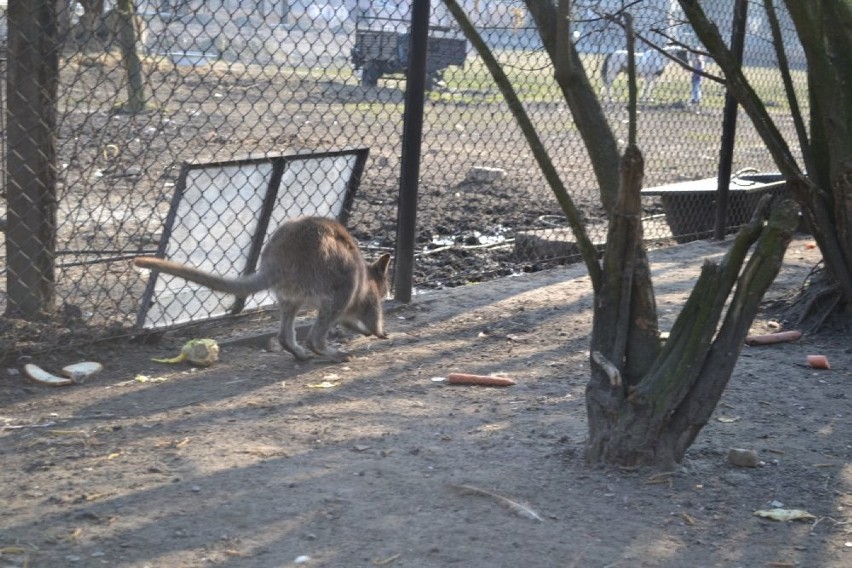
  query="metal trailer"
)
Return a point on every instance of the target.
[{"x": 382, "y": 50}]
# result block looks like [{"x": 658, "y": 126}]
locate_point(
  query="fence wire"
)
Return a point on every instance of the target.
[{"x": 145, "y": 87}]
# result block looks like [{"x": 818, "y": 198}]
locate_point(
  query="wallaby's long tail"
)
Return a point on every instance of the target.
[{"x": 241, "y": 287}]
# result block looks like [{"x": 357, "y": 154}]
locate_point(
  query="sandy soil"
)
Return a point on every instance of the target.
[{"x": 262, "y": 462}]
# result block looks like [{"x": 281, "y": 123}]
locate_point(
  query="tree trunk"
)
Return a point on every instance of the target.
[
  {"x": 646, "y": 404},
  {"x": 128, "y": 39},
  {"x": 824, "y": 29},
  {"x": 580, "y": 96},
  {"x": 32, "y": 82}
]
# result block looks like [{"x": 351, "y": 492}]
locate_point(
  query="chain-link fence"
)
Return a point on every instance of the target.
[{"x": 145, "y": 87}]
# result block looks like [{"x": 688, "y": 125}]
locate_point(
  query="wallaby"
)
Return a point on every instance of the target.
[{"x": 311, "y": 262}]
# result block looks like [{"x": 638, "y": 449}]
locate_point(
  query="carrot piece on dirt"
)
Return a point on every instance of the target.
[{"x": 770, "y": 338}]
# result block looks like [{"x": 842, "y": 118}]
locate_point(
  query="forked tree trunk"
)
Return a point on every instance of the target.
[{"x": 647, "y": 401}]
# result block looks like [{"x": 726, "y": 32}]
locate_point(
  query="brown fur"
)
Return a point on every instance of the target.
[{"x": 310, "y": 262}]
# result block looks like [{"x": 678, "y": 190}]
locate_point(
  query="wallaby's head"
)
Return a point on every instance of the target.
[{"x": 367, "y": 317}]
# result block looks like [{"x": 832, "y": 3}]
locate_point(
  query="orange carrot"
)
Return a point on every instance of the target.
[
  {"x": 818, "y": 362},
  {"x": 770, "y": 338},
  {"x": 483, "y": 380}
]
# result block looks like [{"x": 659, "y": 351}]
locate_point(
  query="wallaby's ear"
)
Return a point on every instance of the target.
[{"x": 382, "y": 264}]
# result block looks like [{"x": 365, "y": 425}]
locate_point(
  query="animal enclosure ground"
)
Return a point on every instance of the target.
[{"x": 259, "y": 461}]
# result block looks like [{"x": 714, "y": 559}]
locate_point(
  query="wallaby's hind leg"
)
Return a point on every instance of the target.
[
  {"x": 329, "y": 312},
  {"x": 287, "y": 333}
]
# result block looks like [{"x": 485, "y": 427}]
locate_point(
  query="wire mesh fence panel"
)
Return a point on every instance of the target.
[
  {"x": 224, "y": 213},
  {"x": 495, "y": 212},
  {"x": 690, "y": 208},
  {"x": 145, "y": 86}
]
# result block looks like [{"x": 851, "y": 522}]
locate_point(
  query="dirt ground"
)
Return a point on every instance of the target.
[{"x": 262, "y": 462}]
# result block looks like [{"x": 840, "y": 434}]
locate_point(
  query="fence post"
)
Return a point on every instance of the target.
[
  {"x": 412, "y": 130},
  {"x": 729, "y": 125},
  {"x": 32, "y": 82}
]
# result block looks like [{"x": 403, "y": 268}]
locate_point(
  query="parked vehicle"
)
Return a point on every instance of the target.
[{"x": 382, "y": 50}]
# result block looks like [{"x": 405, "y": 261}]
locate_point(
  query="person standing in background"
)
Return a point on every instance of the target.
[{"x": 697, "y": 69}]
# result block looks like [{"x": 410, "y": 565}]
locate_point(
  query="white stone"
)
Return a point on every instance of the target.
[{"x": 482, "y": 174}]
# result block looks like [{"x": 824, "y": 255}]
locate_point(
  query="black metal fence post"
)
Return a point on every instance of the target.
[
  {"x": 411, "y": 141},
  {"x": 729, "y": 124}
]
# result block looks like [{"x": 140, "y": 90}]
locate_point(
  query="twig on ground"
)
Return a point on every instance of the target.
[{"x": 519, "y": 508}]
